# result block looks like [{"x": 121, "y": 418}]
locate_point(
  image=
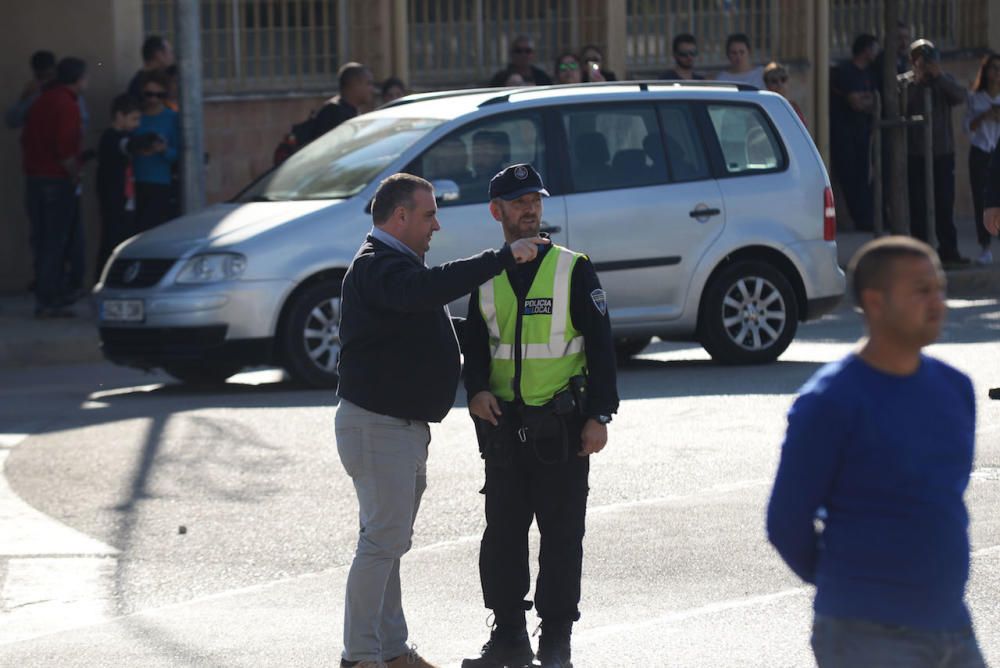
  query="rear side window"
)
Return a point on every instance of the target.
[
  {"x": 472, "y": 155},
  {"x": 614, "y": 147},
  {"x": 685, "y": 153},
  {"x": 747, "y": 140}
]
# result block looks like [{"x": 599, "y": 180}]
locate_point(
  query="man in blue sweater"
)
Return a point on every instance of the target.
[
  {"x": 878, "y": 453},
  {"x": 399, "y": 369}
]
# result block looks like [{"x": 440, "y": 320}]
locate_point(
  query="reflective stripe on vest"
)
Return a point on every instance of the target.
[{"x": 549, "y": 355}]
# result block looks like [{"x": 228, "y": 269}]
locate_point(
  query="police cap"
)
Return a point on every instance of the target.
[{"x": 515, "y": 181}]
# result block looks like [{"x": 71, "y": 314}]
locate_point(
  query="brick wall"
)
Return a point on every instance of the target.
[{"x": 240, "y": 136}]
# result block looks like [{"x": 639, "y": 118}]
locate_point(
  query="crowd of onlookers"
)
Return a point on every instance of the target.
[
  {"x": 137, "y": 155},
  {"x": 136, "y": 165},
  {"x": 854, "y": 86}
]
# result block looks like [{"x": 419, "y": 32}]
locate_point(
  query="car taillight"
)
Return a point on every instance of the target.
[{"x": 829, "y": 216}]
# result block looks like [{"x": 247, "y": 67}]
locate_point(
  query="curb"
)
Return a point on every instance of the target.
[{"x": 40, "y": 351}]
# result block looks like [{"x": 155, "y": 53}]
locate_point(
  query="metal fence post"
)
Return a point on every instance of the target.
[
  {"x": 929, "y": 168},
  {"x": 192, "y": 127},
  {"x": 877, "y": 223}
]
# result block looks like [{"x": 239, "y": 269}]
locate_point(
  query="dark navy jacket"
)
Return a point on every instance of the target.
[{"x": 399, "y": 353}]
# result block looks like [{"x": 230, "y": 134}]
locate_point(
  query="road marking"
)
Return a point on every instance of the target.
[
  {"x": 57, "y": 578},
  {"x": 10, "y": 441},
  {"x": 42, "y": 596},
  {"x": 600, "y": 632},
  {"x": 26, "y": 532}
]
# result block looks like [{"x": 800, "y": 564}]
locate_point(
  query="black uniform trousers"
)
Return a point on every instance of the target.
[{"x": 534, "y": 480}]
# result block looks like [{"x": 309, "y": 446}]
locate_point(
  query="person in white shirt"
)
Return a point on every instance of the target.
[
  {"x": 982, "y": 124},
  {"x": 742, "y": 70}
]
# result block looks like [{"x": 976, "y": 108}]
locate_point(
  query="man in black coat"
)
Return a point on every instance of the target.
[
  {"x": 522, "y": 59},
  {"x": 399, "y": 369}
]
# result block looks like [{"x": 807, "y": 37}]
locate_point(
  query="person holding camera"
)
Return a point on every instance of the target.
[
  {"x": 946, "y": 93},
  {"x": 540, "y": 377}
]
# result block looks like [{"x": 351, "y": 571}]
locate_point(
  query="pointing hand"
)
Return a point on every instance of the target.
[{"x": 525, "y": 250}]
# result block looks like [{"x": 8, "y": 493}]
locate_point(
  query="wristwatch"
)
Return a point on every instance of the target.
[{"x": 602, "y": 419}]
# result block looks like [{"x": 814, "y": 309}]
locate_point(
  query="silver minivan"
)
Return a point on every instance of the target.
[{"x": 705, "y": 208}]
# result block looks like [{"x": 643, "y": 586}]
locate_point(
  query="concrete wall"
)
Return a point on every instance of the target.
[{"x": 105, "y": 33}]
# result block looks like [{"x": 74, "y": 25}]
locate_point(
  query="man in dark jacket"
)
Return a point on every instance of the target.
[
  {"x": 946, "y": 93},
  {"x": 522, "y": 58},
  {"x": 399, "y": 369},
  {"x": 357, "y": 91}
]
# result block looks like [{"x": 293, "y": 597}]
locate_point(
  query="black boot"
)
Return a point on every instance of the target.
[
  {"x": 508, "y": 647},
  {"x": 553, "y": 645}
]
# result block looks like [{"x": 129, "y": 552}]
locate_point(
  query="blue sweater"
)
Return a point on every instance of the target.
[
  {"x": 883, "y": 461},
  {"x": 156, "y": 168}
]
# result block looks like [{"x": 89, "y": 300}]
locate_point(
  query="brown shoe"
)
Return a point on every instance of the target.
[{"x": 409, "y": 660}]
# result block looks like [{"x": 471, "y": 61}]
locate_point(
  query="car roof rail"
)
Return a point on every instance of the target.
[
  {"x": 643, "y": 85},
  {"x": 435, "y": 95}
]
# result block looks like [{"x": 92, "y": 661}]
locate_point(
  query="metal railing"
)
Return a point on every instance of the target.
[
  {"x": 950, "y": 24},
  {"x": 261, "y": 45},
  {"x": 297, "y": 45},
  {"x": 774, "y": 28},
  {"x": 465, "y": 43}
]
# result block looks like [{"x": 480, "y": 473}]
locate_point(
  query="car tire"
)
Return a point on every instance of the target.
[
  {"x": 627, "y": 348},
  {"x": 309, "y": 341},
  {"x": 202, "y": 373},
  {"x": 749, "y": 314}
]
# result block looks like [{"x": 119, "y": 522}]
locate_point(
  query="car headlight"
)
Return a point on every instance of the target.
[{"x": 212, "y": 268}]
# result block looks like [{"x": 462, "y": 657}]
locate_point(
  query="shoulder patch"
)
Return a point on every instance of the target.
[{"x": 600, "y": 299}]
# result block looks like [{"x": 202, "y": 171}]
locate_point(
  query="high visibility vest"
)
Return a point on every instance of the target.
[{"x": 551, "y": 347}]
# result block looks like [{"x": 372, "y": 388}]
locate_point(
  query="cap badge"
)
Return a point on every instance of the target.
[{"x": 521, "y": 173}]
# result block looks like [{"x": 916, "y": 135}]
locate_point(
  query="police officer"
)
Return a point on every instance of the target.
[{"x": 540, "y": 376}]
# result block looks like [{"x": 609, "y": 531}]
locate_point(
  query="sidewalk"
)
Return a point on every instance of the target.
[{"x": 25, "y": 341}]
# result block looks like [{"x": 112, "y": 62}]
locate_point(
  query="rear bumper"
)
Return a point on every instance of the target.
[{"x": 151, "y": 347}]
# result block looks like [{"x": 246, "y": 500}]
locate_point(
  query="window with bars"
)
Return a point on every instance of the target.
[
  {"x": 251, "y": 46},
  {"x": 452, "y": 41}
]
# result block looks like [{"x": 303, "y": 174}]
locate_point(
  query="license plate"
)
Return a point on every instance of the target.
[{"x": 123, "y": 310}]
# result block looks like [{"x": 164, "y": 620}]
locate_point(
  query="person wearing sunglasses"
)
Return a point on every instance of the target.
[
  {"x": 685, "y": 51},
  {"x": 569, "y": 70},
  {"x": 776, "y": 80},
  {"x": 153, "y": 204},
  {"x": 522, "y": 58}
]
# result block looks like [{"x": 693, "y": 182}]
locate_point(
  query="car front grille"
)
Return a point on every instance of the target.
[{"x": 137, "y": 273}]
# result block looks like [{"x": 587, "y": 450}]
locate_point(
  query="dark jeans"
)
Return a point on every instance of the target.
[
  {"x": 53, "y": 210},
  {"x": 153, "y": 205},
  {"x": 851, "y": 157},
  {"x": 520, "y": 488},
  {"x": 944, "y": 203},
  {"x": 117, "y": 225},
  {"x": 848, "y": 643},
  {"x": 979, "y": 161},
  {"x": 76, "y": 252}
]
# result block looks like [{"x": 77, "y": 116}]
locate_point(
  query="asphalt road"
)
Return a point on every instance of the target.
[{"x": 104, "y": 466}]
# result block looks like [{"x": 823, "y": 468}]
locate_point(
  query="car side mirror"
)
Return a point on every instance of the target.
[{"x": 446, "y": 190}]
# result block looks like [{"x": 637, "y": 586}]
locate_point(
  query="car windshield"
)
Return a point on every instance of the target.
[{"x": 342, "y": 162}]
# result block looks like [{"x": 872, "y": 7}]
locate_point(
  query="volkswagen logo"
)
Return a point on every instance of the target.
[{"x": 131, "y": 272}]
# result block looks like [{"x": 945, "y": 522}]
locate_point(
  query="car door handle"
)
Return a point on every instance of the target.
[
  {"x": 704, "y": 213},
  {"x": 549, "y": 229}
]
